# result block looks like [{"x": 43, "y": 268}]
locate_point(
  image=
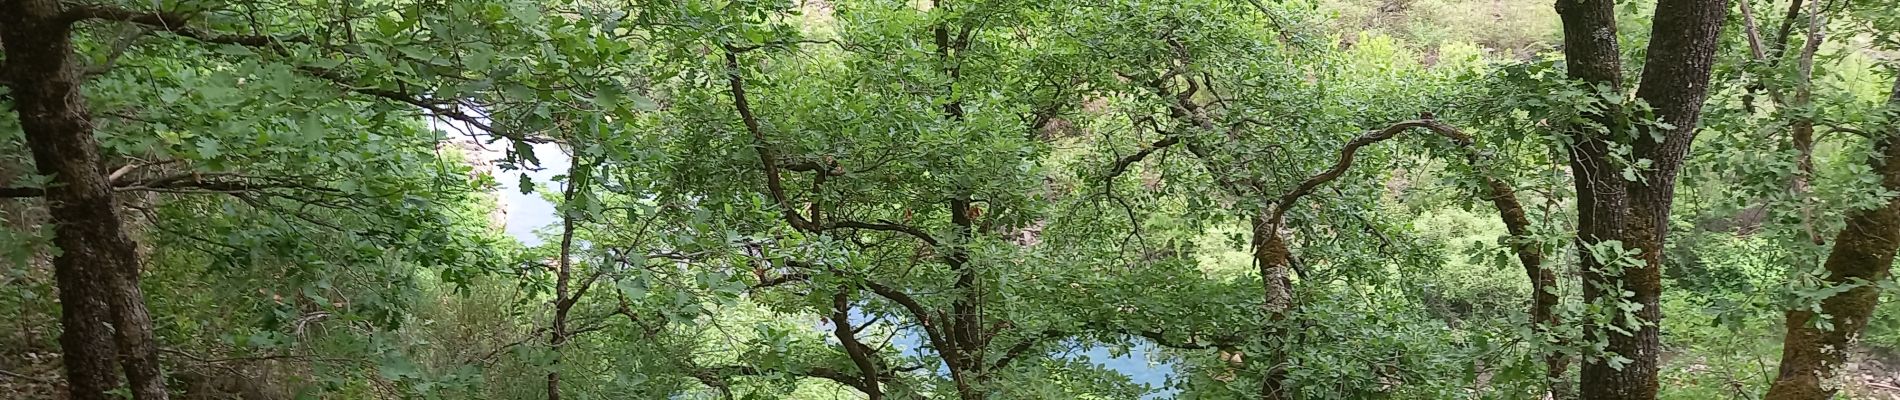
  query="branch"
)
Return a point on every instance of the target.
[
  {"x": 184, "y": 183},
  {"x": 910, "y": 304},
  {"x": 1122, "y": 164},
  {"x": 830, "y": 168},
  {"x": 774, "y": 185},
  {"x": 848, "y": 338},
  {"x": 1023, "y": 347},
  {"x": 26, "y": 378},
  {"x": 1224, "y": 343},
  {"x": 1780, "y": 45},
  {"x": 439, "y": 108},
  {"x": 719, "y": 374},
  {"x": 886, "y": 226},
  {"x": 13, "y": 192},
  {"x": 782, "y": 279},
  {"x": 1351, "y": 149},
  {"x": 1750, "y": 31},
  {"x": 177, "y": 24}
]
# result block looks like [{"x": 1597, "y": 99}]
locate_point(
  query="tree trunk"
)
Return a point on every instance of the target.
[
  {"x": 1543, "y": 280},
  {"x": 1275, "y": 261},
  {"x": 96, "y": 269},
  {"x": 1681, "y": 58},
  {"x": 1592, "y": 56},
  {"x": 1863, "y": 253},
  {"x": 563, "y": 273},
  {"x": 1675, "y": 84},
  {"x": 966, "y": 320},
  {"x": 1803, "y": 125}
]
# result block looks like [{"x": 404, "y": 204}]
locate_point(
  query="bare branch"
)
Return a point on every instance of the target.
[
  {"x": 848, "y": 338},
  {"x": 1122, "y": 164},
  {"x": 219, "y": 183},
  {"x": 1017, "y": 351},
  {"x": 1347, "y": 153},
  {"x": 774, "y": 185}
]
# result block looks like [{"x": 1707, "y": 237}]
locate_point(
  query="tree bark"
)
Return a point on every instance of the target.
[
  {"x": 1674, "y": 84},
  {"x": 563, "y": 274},
  {"x": 1543, "y": 280},
  {"x": 1863, "y": 253},
  {"x": 1275, "y": 261},
  {"x": 861, "y": 355},
  {"x": 97, "y": 267},
  {"x": 1592, "y": 56},
  {"x": 1803, "y": 124}
]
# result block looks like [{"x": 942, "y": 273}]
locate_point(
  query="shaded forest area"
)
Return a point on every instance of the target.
[{"x": 949, "y": 199}]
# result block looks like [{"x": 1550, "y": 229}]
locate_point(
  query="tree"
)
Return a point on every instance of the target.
[
  {"x": 1819, "y": 338},
  {"x": 1624, "y": 201},
  {"x": 104, "y": 313},
  {"x": 105, "y": 320}
]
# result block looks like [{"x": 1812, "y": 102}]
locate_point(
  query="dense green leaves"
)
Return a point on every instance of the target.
[{"x": 1001, "y": 199}]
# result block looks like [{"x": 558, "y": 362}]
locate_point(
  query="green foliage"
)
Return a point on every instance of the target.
[{"x": 1016, "y": 171}]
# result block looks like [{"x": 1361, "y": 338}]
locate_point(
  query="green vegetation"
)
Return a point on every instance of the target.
[{"x": 906, "y": 199}]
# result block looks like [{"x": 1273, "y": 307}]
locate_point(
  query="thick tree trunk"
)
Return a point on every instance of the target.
[
  {"x": 1863, "y": 252},
  {"x": 1681, "y": 58},
  {"x": 97, "y": 266},
  {"x": 1592, "y": 56},
  {"x": 1675, "y": 84}
]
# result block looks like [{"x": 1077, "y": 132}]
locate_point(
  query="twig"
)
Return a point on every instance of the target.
[{"x": 24, "y": 377}]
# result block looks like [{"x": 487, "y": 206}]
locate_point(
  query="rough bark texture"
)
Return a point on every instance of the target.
[
  {"x": 1592, "y": 57},
  {"x": 97, "y": 267},
  {"x": 1863, "y": 252},
  {"x": 1543, "y": 280},
  {"x": 1270, "y": 254},
  {"x": 1675, "y": 84}
]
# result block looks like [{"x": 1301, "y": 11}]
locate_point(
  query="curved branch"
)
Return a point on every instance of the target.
[
  {"x": 774, "y": 184},
  {"x": 1023, "y": 347},
  {"x": 848, "y": 338},
  {"x": 1347, "y": 154},
  {"x": 1122, "y": 164},
  {"x": 179, "y": 24}
]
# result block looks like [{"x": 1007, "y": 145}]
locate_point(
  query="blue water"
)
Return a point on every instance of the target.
[{"x": 1142, "y": 364}]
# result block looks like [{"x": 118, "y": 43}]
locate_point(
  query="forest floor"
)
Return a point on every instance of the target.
[{"x": 1873, "y": 375}]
